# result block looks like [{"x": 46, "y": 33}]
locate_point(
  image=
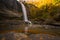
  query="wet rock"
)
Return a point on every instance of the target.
[
  {"x": 22, "y": 36},
  {"x": 43, "y": 37},
  {"x": 14, "y": 36}
]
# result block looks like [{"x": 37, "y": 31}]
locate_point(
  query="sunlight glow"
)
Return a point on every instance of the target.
[{"x": 39, "y": 3}]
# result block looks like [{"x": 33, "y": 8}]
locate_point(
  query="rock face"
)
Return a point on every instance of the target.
[
  {"x": 14, "y": 36},
  {"x": 9, "y": 4},
  {"x": 9, "y": 9},
  {"x": 22, "y": 36}
]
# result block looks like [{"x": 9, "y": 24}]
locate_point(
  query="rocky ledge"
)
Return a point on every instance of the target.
[{"x": 22, "y": 36}]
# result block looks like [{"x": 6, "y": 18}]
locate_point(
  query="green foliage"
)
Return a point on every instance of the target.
[{"x": 46, "y": 13}]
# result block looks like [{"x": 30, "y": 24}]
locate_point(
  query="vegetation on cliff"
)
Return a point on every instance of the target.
[{"x": 47, "y": 13}]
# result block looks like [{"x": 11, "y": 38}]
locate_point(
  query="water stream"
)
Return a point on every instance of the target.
[{"x": 25, "y": 16}]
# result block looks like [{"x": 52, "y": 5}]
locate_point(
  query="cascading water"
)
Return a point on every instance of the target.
[
  {"x": 24, "y": 13},
  {"x": 25, "y": 16}
]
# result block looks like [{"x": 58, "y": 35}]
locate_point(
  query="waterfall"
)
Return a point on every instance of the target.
[
  {"x": 25, "y": 17},
  {"x": 25, "y": 13}
]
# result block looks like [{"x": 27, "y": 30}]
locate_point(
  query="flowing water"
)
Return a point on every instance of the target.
[
  {"x": 25, "y": 16},
  {"x": 24, "y": 13}
]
